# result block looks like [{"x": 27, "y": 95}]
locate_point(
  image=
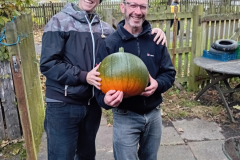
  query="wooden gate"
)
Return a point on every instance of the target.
[{"x": 25, "y": 74}]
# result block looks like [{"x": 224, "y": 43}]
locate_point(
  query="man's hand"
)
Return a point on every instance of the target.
[
  {"x": 92, "y": 77},
  {"x": 160, "y": 36},
  {"x": 113, "y": 98},
  {"x": 150, "y": 89}
]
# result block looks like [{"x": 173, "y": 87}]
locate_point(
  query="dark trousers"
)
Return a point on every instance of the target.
[
  {"x": 71, "y": 131},
  {"x": 178, "y": 26}
]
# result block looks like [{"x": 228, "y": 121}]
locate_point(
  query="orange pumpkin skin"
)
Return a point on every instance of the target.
[{"x": 123, "y": 72}]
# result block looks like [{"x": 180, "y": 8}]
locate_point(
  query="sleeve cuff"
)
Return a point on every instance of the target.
[{"x": 83, "y": 76}]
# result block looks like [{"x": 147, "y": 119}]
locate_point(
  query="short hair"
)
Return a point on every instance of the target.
[{"x": 124, "y": 1}]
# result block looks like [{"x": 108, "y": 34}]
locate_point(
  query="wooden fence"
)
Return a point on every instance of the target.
[
  {"x": 199, "y": 28},
  {"x": 9, "y": 118},
  {"x": 20, "y": 93},
  {"x": 44, "y": 11}
]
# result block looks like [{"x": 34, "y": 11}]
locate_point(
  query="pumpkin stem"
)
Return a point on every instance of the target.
[{"x": 121, "y": 49}]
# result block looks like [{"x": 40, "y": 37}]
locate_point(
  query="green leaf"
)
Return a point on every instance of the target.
[
  {"x": 237, "y": 107},
  {"x": 3, "y": 48},
  {"x": 2, "y": 21},
  {"x": 5, "y": 56},
  {"x": 6, "y": 76},
  {"x": 1, "y": 58},
  {"x": 5, "y": 19},
  {"x": 16, "y": 13}
]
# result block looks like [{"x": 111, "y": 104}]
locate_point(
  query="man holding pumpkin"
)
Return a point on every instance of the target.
[
  {"x": 69, "y": 43},
  {"x": 137, "y": 119}
]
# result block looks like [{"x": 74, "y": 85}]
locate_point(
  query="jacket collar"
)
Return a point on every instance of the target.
[
  {"x": 125, "y": 35},
  {"x": 78, "y": 14}
]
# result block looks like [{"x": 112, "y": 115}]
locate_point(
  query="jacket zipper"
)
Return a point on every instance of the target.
[
  {"x": 138, "y": 47},
  {"x": 139, "y": 52},
  {"x": 90, "y": 27},
  {"x": 66, "y": 86},
  {"x": 144, "y": 101}
]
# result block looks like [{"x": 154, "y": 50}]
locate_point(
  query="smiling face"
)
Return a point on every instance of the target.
[
  {"x": 88, "y": 5},
  {"x": 134, "y": 14}
]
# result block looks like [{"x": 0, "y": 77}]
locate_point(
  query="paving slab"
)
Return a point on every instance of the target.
[
  {"x": 208, "y": 150},
  {"x": 104, "y": 141},
  {"x": 170, "y": 136},
  {"x": 103, "y": 121},
  {"x": 42, "y": 154},
  {"x": 177, "y": 152},
  {"x": 198, "y": 130},
  {"x": 104, "y": 155},
  {"x": 38, "y": 48}
]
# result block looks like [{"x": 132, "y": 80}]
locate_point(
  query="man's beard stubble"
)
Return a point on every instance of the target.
[{"x": 127, "y": 18}]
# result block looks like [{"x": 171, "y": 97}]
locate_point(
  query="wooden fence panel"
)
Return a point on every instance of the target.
[
  {"x": 8, "y": 102},
  {"x": 30, "y": 98}
]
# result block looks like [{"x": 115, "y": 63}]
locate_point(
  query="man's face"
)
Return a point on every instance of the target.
[
  {"x": 88, "y": 5},
  {"x": 135, "y": 12}
]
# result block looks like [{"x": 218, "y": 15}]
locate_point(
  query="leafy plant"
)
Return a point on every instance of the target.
[
  {"x": 3, "y": 53},
  {"x": 9, "y": 10}
]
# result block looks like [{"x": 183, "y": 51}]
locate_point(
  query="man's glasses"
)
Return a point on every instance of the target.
[{"x": 134, "y": 6}]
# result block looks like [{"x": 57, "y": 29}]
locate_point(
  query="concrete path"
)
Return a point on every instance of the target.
[{"x": 181, "y": 140}]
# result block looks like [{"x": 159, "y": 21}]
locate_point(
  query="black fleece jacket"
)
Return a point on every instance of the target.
[{"x": 155, "y": 57}]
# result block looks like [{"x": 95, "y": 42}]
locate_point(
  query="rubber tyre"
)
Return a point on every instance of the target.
[
  {"x": 225, "y": 45},
  {"x": 212, "y": 50}
]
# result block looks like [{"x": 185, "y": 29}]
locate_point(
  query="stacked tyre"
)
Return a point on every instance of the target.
[{"x": 224, "y": 46}]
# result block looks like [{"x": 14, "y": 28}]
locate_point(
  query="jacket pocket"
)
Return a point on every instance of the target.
[{"x": 80, "y": 92}]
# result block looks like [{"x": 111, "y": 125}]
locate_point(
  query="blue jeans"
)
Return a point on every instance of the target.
[
  {"x": 131, "y": 129},
  {"x": 71, "y": 131}
]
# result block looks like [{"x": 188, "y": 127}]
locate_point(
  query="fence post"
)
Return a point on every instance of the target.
[
  {"x": 196, "y": 45},
  {"x": 52, "y": 7},
  {"x": 44, "y": 14},
  {"x": 107, "y": 16},
  {"x": 11, "y": 35}
]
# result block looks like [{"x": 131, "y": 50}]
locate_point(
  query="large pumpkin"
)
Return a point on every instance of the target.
[{"x": 124, "y": 72}]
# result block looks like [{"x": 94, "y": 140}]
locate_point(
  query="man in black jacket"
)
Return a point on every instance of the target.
[
  {"x": 137, "y": 119},
  {"x": 70, "y": 41}
]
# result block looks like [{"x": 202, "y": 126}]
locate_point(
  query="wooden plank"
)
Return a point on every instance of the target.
[
  {"x": 8, "y": 102},
  {"x": 2, "y": 128},
  {"x": 221, "y": 30},
  {"x": 236, "y": 24},
  {"x": 180, "y": 50},
  {"x": 20, "y": 94},
  {"x": 161, "y": 24},
  {"x": 32, "y": 85},
  {"x": 196, "y": 46},
  {"x": 168, "y": 22},
  {"x": 217, "y": 30},
  {"x": 231, "y": 24},
  {"x": 183, "y": 79},
  {"x": 181, "y": 34},
  {"x": 207, "y": 36},
  {"x": 165, "y": 16},
  {"x": 219, "y": 17},
  {"x": 226, "y": 29},
  {"x": 188, "y": 31},
  {"x": 212, "y": 32},
  {"x": 186, "y": 63}
]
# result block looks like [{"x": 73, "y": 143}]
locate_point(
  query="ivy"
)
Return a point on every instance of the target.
[
  {"x": 8, "y": 10},
  {"x": 4, "y": 76},
  {"x": 4, "y": 53}
]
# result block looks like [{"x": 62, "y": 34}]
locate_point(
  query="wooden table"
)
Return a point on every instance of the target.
[{"x": 220, "y": 71}]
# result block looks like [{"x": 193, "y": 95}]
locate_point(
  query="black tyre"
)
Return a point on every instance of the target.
[
  {"x": 219, "y": 52},
  {"x": 225, "y": 45}
]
